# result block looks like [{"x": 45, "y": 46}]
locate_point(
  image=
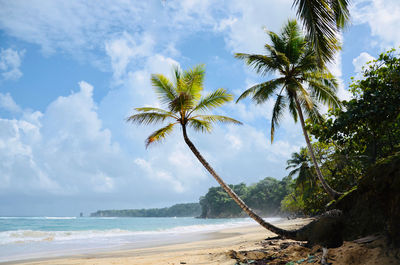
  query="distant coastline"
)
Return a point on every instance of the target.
[{"x": 177, "y": 210}]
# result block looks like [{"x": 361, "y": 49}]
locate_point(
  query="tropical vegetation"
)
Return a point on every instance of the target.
[
  {"x": 349, "y": 141},
  {"x": 177, "y": 210},
  {"x": 264, "y": 197},
  {"x": 300, "y": 86}
]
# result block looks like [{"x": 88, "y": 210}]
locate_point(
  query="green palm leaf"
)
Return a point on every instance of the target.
[
  {"x": 183, "y": 98},
  {"x": 217, "y": 118},
  {"x": 160, "y": 134},
  {"x": 163, "y": 87},
  {"x": 262, "y": 92},
  {"x": 277, "y": 114},
  {"x": 156, "y": 110},
  {"x": 193, "y": 80},
  {"x": 261, "y": 63},
  {"x": 200, "y": 125},
  {"x": 148, "y": 118},
  {"x": 322, "y": 19},
  {"x": 214, "y": 100}
]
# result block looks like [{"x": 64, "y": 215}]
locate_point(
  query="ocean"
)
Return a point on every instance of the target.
[{"x": 39, "y": 237}]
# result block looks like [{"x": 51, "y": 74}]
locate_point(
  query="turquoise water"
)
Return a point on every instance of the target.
[{"x": 36, "y": 237}]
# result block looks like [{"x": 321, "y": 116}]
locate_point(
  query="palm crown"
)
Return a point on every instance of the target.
[
  {"x": 184, "y": 102},
  {"x": 300, "y": 82},
  {"x": 323, "y": 20}
]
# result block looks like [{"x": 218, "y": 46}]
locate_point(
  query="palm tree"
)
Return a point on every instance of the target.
[
  {"x": 299, "y": 164},
  {"x": 323, "y": 20},
  {"x": 185, "y": 107},
  {"x": 301, "y": 83}
]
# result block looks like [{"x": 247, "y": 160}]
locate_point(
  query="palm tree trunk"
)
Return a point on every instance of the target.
[
  {"x": 331, "y": 192},
  {"x": 292, "y": 234}
]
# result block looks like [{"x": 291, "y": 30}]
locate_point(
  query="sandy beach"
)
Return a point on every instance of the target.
[
  {"x": 213, "y": 249},
  {"x": 247, "y": 242}
]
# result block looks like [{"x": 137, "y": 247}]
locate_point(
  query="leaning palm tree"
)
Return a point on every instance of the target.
[
  {"x": 186, "y": 108},
  {"x": 323, "y": 20},
  {"x": 301, "y": 83}
]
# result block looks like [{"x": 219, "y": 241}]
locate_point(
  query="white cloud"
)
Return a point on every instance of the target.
[
  {"x": 360, "y": 61},
  {"x": 382, "y": 16},
  {"x": 10, "y": 62},
  {"x": 160, "y": 175},
  {"x": 124, "y": 49},
  {"x": 72, "y": 26},
  {"x": 8, "y": 103},
  {"x": 64, "y": 150},
  {"x": 243, "y": 27}
]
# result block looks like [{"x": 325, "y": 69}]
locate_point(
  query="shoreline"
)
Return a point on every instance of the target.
[{"x": 200, "y": 248}]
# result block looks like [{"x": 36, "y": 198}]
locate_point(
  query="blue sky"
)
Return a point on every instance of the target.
[{"x": 72, "y": 71}]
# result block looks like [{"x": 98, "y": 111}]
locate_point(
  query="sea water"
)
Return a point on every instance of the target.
[{"x": 39, "y": 237}]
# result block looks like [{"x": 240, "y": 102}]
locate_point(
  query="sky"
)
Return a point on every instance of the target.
[{"x": 71, "y": 72}]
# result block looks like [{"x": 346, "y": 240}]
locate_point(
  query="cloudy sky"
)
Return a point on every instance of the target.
[{"x": 72, "y": 71}]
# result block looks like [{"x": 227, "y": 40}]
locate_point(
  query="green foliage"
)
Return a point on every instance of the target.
[
  {"x": 368, "y": 128},
  {"x": 184, "y": 102},
  {"x": 322, "y": 21},
  {"x": 351, "y": 140},
  {"x": 264, "y": 197},
  {"x": 301, "y": 81},
  {"x": 177, "y": 210}
]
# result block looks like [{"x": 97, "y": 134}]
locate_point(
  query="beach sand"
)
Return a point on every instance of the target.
[{"x": 243, "y": 242}]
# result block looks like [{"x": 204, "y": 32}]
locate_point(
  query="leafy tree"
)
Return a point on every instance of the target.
[
  {"x": 185, "y": 106},
  {"x": 216, "y": 203},
  {"x": 368, "y": 128},
  {"x": 264, "y": 197},
  {"x": 301, "y": 84},
  {"x": 323, "y": 20}
]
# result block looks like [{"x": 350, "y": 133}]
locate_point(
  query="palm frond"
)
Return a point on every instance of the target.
[
  {"x": 160, "y": 134},
  {"x": 193, "y": 81},
  {"x": 156, "y": 110},
  {"x": 163, "y": 87},
  {"x": 262, "y": 64},
  {"x": 293, "y": 109},
  {"x": 311, "y": 113},
  {"x": 214, "y": 100},
  {"x": 182, "y": 103},
  {"x": 246, "y": 93},
  {"x": 321, "y": 25},
  {"x": 277, "y": 114},
  {"x": 293, "y": 172},
  {"x": 177, "y": 74},
  {"x": 217, "y": 118},
  {"x": 324, "y": 90},
  {"x": 278, "y": 43},
  {"x": 148, "y": 118},
  {"x": 200, "y": 125},
  {"x": 262, "y": 92},
  {"x": 294, "y": 41},
  {"x": 304, "y": 94},
  {"x": 341, "y": 11}
]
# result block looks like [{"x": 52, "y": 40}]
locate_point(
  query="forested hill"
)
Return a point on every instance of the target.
[{"x": 177, "y": 210}]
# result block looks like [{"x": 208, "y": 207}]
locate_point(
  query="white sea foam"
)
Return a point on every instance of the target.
[
  {"x": 39, "y": 217},
  {"x": 30, "y": 236},
  {"x": 59, "y": 218}
]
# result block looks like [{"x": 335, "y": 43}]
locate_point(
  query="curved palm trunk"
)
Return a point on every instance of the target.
[
  {"x": 331, "y": 192},
  {"x": 292, "y": 234}
]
